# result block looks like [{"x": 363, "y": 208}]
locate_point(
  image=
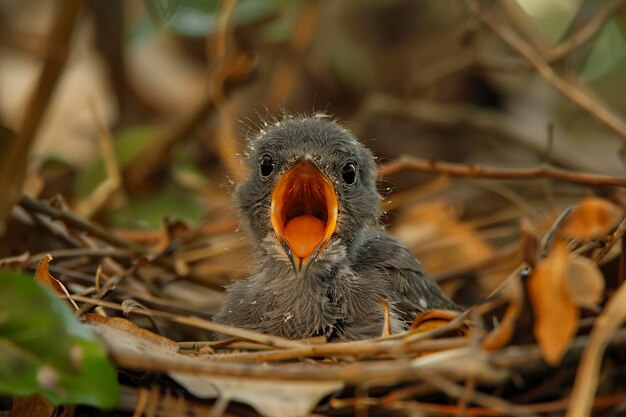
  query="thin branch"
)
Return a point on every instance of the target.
[
  {"x": 14, "y": 164},
  {"x": 199, "y": 323},
  {"x": 462, "y": 116},
  {"x": 569, "y": 89},
  {"x": 347, "y": 349},
  {"x": 586, "y": 33},
  {"x": 232, "y": 67},
  {"x": 407, "y": 163},
  {"x": 617, "y": 236},
  {"x": 37, "y": 206},
  {"x": 587, "y": 376},
  {"x": 457, "y": 391},
  {"x": 548, "y": 239}
]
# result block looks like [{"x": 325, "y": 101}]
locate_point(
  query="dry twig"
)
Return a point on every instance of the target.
[
  {"x": 407, "y": 163},
  {"x": 15, "y": 162},
  {"x": 39, "y": 207},
  {"x": 570, "y": 89}
]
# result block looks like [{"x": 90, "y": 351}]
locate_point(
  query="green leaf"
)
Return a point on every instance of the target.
[
  {"x": 128, "y": 144},
  {"x": 609, "y": 51},
  {"x": 197, "y": 18},
  {"x": 169, "y": 8},
  {"x": 551, "y": 17},
  {"x": 149, "y": 211},
  {"x": 45, "y": 350}
]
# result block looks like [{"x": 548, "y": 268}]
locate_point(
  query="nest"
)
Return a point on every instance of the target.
[{"x": 533, "y": 344}]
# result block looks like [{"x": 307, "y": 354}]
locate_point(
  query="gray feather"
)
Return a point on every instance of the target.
[{"x": 341, "y": 293}]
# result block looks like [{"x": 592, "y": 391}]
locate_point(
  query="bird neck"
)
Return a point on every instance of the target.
[{"x": 273, "y": 262}]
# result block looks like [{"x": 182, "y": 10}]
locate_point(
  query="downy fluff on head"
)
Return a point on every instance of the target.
[{"x": 332, "y": 148}]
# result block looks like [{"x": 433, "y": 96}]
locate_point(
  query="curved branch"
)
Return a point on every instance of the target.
[{"x": 407, "y": 163}]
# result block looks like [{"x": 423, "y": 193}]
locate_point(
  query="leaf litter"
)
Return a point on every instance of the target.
[{"x": 542, "y": 286}]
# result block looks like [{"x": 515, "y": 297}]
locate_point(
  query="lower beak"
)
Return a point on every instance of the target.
[{"x": 304, "y": 212}]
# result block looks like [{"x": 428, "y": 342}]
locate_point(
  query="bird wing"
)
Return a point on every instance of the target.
[{"x": 411, "y": 290}]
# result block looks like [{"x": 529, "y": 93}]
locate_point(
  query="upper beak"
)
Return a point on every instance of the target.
[{"x": 304, "y": 212}]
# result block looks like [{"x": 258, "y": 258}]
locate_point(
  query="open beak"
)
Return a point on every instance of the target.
[{"x": 304, "y": 212}]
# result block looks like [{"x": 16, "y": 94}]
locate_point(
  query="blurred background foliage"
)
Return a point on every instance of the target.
[
  {"x": 130, "y": 118},
  {"x": 150, "y": 115}
]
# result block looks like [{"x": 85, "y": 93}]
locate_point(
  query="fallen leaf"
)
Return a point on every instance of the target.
[
  {"x": 592, "y": 218},
  {"x": 272, "y": 398},
  {"x": 42, "y": 275},
  {"x": 556, "y": 314},
  {"x": 435, "y": 234},
  {"x": 585, "y": 281},
  {"x": 502, "y": 334},
  {"x": 433, "y": 319},
  {"x": 269, "y": 398},
  {"x": 132, "y": 328}
]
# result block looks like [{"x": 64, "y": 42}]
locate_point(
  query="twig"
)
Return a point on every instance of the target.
[
  {"x": 347, "y": 349},
  {"x": 135, "y": 399},
  {"x": 604, "y": 329},
  {"x": 386, "y": 370},
  {"x": 529, "y": 358},
  {"x": 543, "y": 407},
  {"x": 456, "y": 391},
  {"x": 113, "y": 179},
  {"x": 200, "y": 323},
  {"x": 569, "y": 89},
  {"x": 547, "y": 240},
  {"x": 107, "y": 287},
  {"x": 69, "y": 218},
  {"x": 407, "y": 163},
  {"x": 613, "y": 239},
  {"x": 285, "y": 75},
  {"x": 14, "y": 164},
  {"x": 586, "y": 33},
  {"x": 79, "y": 252},
  {"x": 519, "y": 21},
  {"x": 231, "y": 68},
  {"x": 432, "y": 113}
]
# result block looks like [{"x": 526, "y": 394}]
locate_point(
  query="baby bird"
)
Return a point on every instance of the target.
[{"x": 324, "y": 264}]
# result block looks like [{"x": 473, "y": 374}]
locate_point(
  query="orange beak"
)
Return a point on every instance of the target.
[{"x": 304, "y": 212}]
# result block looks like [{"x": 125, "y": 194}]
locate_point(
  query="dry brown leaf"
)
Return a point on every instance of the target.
[
  {"x": 585, "y": 281},
  {"x": 132, "y": 328},
  {"x": 435, "y": 234},
  {"x": 556, "y": 314},
  {"x": 42, "y": 274},
  {"x": 593, "y": 218},
  {"x": 271, "y": 398},
  {"x": 501, "y": 335},
  {"x": 32, "y": 406},
  {"x": 433, "y": 319}
]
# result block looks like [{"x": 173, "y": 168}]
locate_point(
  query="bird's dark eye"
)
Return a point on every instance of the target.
[
  {"x": 267, "y": 165},
  {"x": 348, "y": 173}
]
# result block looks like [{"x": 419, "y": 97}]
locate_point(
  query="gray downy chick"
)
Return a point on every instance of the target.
[{"x": 324, "y": 263}]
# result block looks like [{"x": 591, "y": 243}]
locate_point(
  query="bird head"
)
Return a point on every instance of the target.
[{"x": 311, "y": 184}]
